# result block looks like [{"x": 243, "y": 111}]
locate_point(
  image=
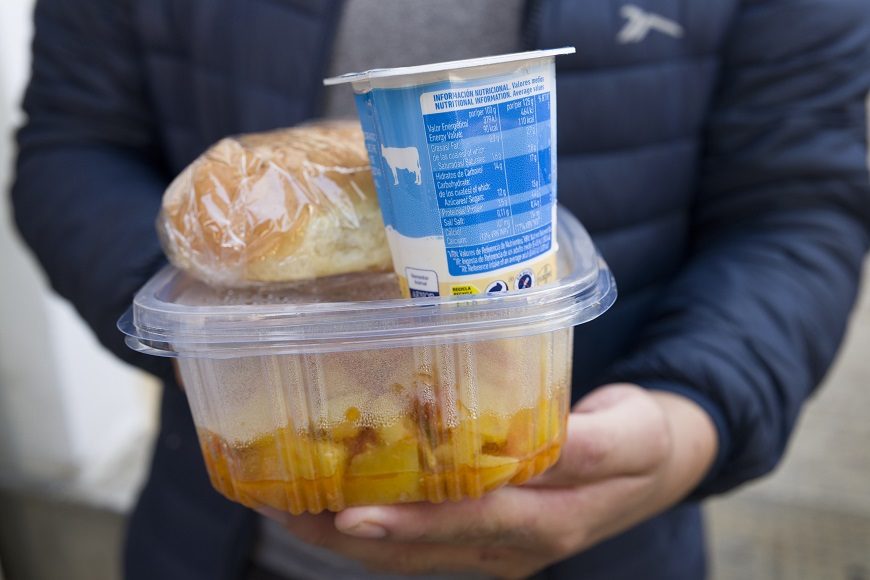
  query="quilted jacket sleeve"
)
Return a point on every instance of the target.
[
  {"x": 88, "y": 183},
  {"x": 781, "y": 227}
]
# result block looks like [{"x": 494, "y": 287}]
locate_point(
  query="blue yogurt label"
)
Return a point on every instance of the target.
[{"x": 465, "y": 176}]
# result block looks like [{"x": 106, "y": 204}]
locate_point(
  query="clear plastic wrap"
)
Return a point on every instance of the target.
[{"x": 275, "y": 207}]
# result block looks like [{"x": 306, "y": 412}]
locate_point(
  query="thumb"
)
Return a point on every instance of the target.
[{"x": 617, "y": 430}]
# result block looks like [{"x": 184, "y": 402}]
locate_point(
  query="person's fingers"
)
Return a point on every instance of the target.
[
  {"x": 548, "y": 524},
  {"x": 387, "y": 555},
  {"x": 603, "y": 508},
  {"x": 606, "y": 397},
  {"x": 506, "y": 516},
  {"x": 616, "y": 431},
  {"x": 313, "y": 529},
  {"x": 412, "y": 559}
]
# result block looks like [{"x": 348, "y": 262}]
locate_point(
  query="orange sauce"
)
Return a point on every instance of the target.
[{"x": 347, "y": 464}]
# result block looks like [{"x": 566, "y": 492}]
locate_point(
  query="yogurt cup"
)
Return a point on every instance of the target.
[{"x": 463, "y": 156}]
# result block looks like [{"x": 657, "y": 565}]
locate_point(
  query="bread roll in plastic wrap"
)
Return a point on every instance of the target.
[{"x": 275, "y": 207}]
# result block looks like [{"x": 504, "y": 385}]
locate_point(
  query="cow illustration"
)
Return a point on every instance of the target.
[{"x": 407, "y": 158}]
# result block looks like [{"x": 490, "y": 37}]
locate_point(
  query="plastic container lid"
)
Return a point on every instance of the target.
[
  {"x": 380, "y": 73},
  {"x": 174, "y": 315}
]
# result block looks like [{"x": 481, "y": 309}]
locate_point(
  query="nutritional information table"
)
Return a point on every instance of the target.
[{"x": 492, "y": 170}]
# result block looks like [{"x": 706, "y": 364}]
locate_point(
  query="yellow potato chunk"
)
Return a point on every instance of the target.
[
  {"x": 494, "y": 471},
  {"x": 398, "y": 488},
  {"x": 400, "y": 457}
]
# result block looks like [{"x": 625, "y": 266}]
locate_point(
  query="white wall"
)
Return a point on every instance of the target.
[{"x": 72, "y": 418}]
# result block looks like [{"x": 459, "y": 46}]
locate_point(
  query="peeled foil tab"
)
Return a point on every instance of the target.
[{"x": 275, "y": 207}]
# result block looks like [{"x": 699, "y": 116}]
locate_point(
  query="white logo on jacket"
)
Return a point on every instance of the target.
[
  {"x": 407, "y": 158},
  {"x": 640, "y": 22}
]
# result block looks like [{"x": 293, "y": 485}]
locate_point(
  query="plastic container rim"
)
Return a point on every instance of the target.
[
  {"x": 164, "y": 328},
  {"x": 380, "y": 73}
]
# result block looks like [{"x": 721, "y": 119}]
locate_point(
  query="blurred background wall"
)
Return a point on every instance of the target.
[{"x": 76, "y": 428}]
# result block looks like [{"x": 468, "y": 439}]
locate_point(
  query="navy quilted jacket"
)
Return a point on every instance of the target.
[{"x": 722, "y": 174}]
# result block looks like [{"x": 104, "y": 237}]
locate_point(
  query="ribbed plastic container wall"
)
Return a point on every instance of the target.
[
  {"x": 311, "y": 397},
  {"x": 386, "y": 426}
]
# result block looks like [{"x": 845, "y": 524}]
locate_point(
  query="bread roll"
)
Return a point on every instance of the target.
[{"x": 275, "y": 207}]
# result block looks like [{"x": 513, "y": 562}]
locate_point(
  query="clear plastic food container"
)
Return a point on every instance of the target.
[{"x": 338, "y": 392}]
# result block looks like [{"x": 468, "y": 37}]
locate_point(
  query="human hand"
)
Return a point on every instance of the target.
[{"x": 630, "y": 453}]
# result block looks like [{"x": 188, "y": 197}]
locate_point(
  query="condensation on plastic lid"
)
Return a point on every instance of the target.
[{"x": 447, "y": 65}]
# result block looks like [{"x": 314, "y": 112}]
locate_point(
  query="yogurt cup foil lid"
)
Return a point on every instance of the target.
[{"x": 379, "y": 73}]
